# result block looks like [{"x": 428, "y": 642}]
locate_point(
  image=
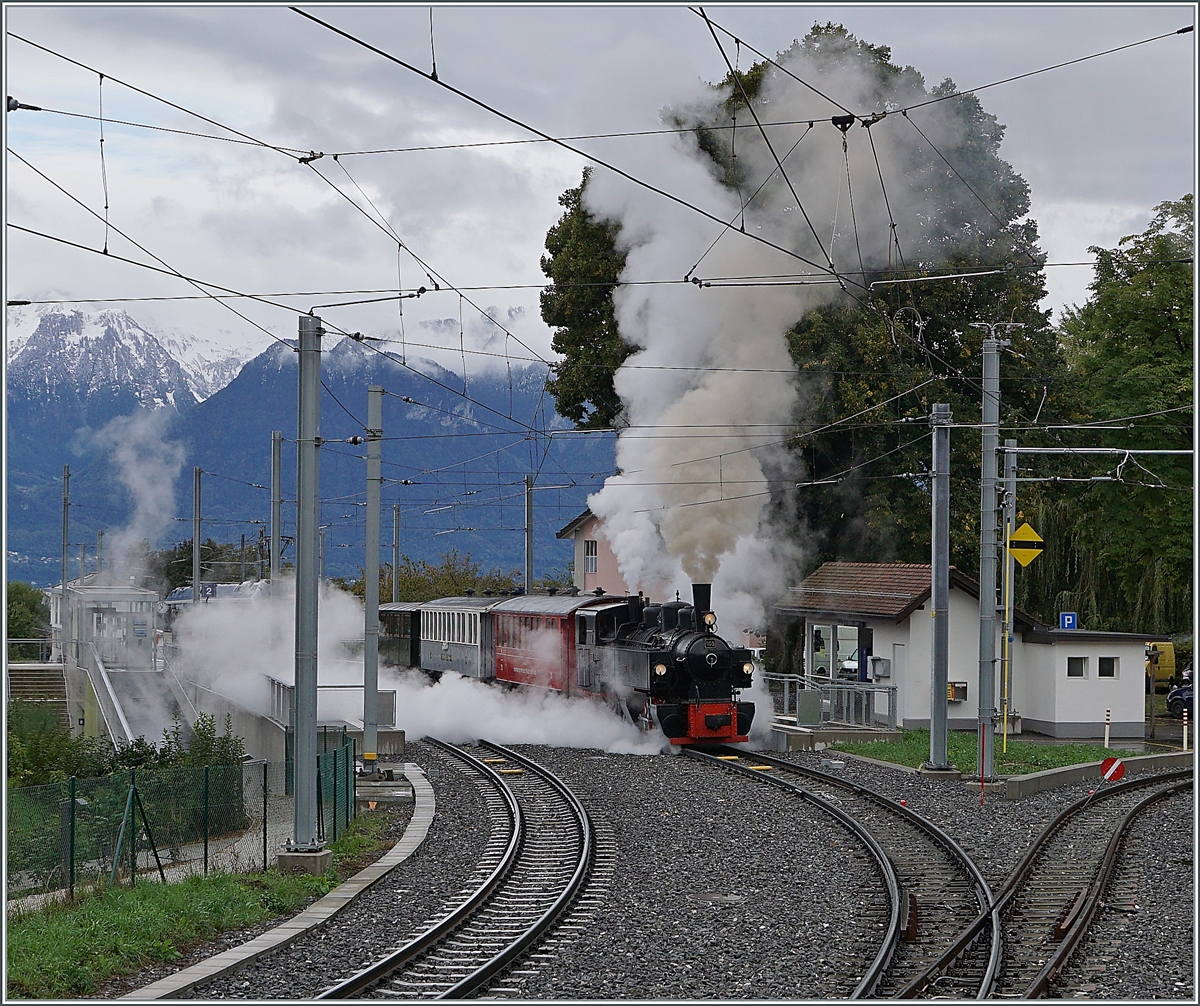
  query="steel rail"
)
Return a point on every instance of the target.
[
  {"x": 1014, "y": 880},
  {"x": 1087, "y": 911},
  {"x": 509, "y": 955},
  {"x": 883, "y": 957},
  {"x": 990, "y": 913},
  {"x": 440, "y": 930}
]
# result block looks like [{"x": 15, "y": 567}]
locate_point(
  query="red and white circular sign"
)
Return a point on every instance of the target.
[{"x": 1112, "y": 769}]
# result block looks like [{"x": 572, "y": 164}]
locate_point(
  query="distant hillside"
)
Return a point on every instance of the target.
[{"x": 466, "y": 463}]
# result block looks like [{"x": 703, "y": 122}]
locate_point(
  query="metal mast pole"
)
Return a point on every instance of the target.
[
  {"x": 196, "y": 535},
  {"x": 276, "y": 506},
  {"x": 99, "y": 552},
  {"x": 308, "y": 425},
  {"x": 66, "y": 520},
  {"x": 528, "y": 534},
  {"x": 1010, "y": 513},
  {"x": 371, "y": 578},
  {"x": 940, "y": 650},
  {"x": 395, "y": 552},
  {"x": 987, "y": 559},
  {"x": 242, "y": 571},
  {"x": 987, "y": 548}
]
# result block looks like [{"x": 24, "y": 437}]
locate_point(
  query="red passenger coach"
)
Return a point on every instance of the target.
[{"x": 535, "y": 640}]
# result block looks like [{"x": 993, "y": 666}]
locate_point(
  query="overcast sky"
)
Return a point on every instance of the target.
[{"x": 1100, "y": 143}]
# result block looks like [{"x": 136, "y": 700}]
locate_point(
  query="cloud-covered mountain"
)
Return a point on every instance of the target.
[
  {"x": 92, "y": 358},
  {"x": 464, "y": 456}
]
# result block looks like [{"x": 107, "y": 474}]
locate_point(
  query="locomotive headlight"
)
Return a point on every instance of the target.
[
  {"x": 747, "y": 668},
  {"x": 660, "y": 669},
  {"x": 710, "y": 618}
]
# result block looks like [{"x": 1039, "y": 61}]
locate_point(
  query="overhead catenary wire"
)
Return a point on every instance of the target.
[
  {"x": 155, "y": 97},
  {"x": 533, "y": 129},
  {"x": 737, "y": 79},
  {"x": 168, "y": 268}
]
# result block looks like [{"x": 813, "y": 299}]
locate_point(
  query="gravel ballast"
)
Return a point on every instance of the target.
[
  {"x": 1140, "y": 947},
  {"x": 389, "y": 913},
  {"x": 687, "y": 836}
]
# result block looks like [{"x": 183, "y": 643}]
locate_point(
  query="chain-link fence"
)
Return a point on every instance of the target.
[{"x": 165, "y": 823}]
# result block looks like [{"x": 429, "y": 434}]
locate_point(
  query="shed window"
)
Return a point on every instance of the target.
[
  {"x": 1077, "y": 667},
  {"x": 590, "y": 555},
  {"x": 1106, "y": 667}
]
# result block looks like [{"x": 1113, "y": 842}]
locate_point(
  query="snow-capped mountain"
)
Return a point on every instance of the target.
[{"x": 52, "y": 349}]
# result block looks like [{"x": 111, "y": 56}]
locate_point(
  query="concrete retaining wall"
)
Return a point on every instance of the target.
[{"x": 1023, "y": 785}]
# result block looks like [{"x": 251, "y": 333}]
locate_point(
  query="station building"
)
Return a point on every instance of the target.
[{"x": 873, "y": 622}]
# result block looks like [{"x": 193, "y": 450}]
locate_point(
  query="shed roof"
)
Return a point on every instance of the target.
[
  {"x": 891, "y": 590},
  {"x": 571, "y": 528},
  {"x": 884, "y": 590}
]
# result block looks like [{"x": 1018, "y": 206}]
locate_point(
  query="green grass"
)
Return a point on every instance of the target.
[
  {"x": 1020, "y": 758},
  {"x": 360, "y": 843},
  {"x": 66, "y": 950}
]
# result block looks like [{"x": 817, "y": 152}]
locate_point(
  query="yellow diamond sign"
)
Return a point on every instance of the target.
[{"x": 1025, "y": 544}]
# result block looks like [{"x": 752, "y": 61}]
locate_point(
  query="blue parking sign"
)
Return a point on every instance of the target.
[{"x": 1068, "y": 620}]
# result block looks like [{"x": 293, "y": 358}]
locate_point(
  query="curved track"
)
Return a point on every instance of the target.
[
  {"x": 537, "y": 861},
  {"x": 934, "y": 888},
  {"x": 1051, "y": 897}
]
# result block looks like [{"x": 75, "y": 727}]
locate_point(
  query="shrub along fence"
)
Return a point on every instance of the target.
[{"x": 165, "y": 823}]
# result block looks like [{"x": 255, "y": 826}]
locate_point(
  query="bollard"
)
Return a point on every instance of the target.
[
  {"x": 1107, "y": 723},
  {"x": 1185, "y": 730}
]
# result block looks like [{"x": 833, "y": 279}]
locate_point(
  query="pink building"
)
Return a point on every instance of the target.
[{"x": 595, "y": 564}]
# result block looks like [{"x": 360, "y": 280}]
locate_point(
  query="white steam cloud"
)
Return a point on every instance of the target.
[
  {"x": 703, "y": 450},
  {"x": 147, "y": 465},
  {"x": 232, "y": 647}
]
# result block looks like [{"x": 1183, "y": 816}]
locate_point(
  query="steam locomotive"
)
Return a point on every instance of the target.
[{"x": 663, "y": 662}]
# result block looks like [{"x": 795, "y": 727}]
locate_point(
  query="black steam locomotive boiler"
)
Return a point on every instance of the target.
[{"x": 666, "y": 661}]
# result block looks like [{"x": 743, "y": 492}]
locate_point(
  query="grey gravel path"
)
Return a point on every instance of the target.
[
  {"x": 388, "y": 914},
  {"x": 1142, "y": 946}
]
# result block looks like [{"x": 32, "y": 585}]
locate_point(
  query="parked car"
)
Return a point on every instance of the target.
[{"x": 1179, "y": 699}]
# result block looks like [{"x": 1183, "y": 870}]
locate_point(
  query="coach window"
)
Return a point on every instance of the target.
[
  {"x": 590, "y": 555},
  {"x": 1106, "y": 667},
  {"x": 1077, "y": 667}
]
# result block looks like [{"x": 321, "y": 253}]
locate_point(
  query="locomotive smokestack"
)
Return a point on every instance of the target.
[{"x": 702, "y": 596}]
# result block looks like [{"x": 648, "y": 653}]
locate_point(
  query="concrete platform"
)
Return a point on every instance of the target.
[
  {"x": 370, "y": 794},
  {"x": 790, "y": 738}
]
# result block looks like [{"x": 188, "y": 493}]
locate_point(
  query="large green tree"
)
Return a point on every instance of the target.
[
  {"x": 1122, "y": 550},
  {"x": 583, "y": 265}
]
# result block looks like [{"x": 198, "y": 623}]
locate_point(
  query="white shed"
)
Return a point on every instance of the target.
[{"x": 1062, "y": 682}]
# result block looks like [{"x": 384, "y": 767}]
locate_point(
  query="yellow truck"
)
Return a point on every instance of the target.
[{"x": 1160, "y": 665}]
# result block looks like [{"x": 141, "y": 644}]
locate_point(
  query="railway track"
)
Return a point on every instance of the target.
[
  {"x": 534, "y": 867},
  {"x": 934, "y": 888},
  {"x": 1055, "y": 892}
]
